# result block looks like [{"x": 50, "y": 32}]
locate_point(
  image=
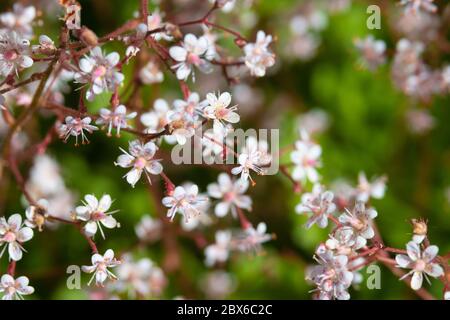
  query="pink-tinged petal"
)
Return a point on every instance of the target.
[
  {"x": 190, "y": 42},
  {"x": 15, "y": 253},
  {"x": 244, "y": 202},
  {"x": 125, "y": 161},
  {"x": 15, "y": 221},
  {"x": 91, "y": 201},
  {"x": 168, "y": 201},
  {"x": 97, "y": 258},
  {"x": 109, "y": 255},
  {"x": 109, "y": 222},
  {"x": 7, "y": 280},
  {"x": 222, "y": 209},
  {"x": 413, "y": 250},
  {"x": 232, "y": 117},
  {"x": 86, "y": 65},
  {"x": 416, "y": 280},
  {"x": 201, "y": 46},
  {"x": 178, "y": 53},
  {"x": 133, "y": 176},
  {"x": 83, "y": 213},
  {"x": 434, "y": 270},
  {"x": 154, "y": 167},
  {"x": 90, "y": 228},
  {"x": 105, "y": 203},
  {"x": 25, "y": 234},
  {"x": 430, "y": 253},
  {"x": 214, "y": 191},
  {"x": 179, "y": 192},
  {"x": 100, "y": 277},
  {"x": 225, "y": 99},
  {"x": 403, "y": 261},
  {"x": 150, "y": 149},
  {"x": 113, "y": 58}
]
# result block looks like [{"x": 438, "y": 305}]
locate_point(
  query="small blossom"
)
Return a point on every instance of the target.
[
  {"x": 258, "y": 57},
  {"x": 319, "y": 203},
  {"x": 414, "y": 6},
  {"x": 117, "y": 118},
  {"x": 13, "y": 53},
  {"x": 149, "y": 229},
  {"x": 19, "y": 20},
  {"x": 252, "y": 238},
  {"x": 366, "y": 189},
  {"x": 140, "y": 159},
  {"x": 151, "y": 73},
  {"x": 218, "y": 110},
  {"x": 220, "y": 250},
  {"x": 99, "y": 72},
  {"x": 95, "y": 214},
  {"x": 14, "y": 289},
  {"x": 184, "y": 201},
  {"x": 12, "y": 235},
  {"x": 360, "y": 219},
  {"x": 192, "y": 52},
  {"x": 372, "y": 52},
  {"x": 420, "y": 263},
  {"x": 99, "y": 267},
  {"x": 332, "y": 276},
  {"x": 231, "y": 195},
  {"x": 75, "y": 127},
  {"x": 252, "y": 157},
  {"x": 344, "y": 241},
  {"x": 306, "y": 158}
]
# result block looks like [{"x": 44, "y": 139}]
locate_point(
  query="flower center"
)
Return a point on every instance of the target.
[
  {"x": 96, "y": 216},
  {"x": 140, "y": 163},
  {"x": 10, "y": 237},
  {"x": 99, "y": 72},
  {"x": 193, "y": 58},
  {"x": 358, "y": 224},
  {"x": 11, "y": 55},
  {"x": 420, "y": 265},
  {"x": 11, "y": 290},
  {"x": 229, "y": 196}
]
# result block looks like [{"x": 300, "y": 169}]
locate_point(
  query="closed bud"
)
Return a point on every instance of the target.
[
  {"x": 88, "y": 37},
  {"x": 173, "y": 30}
]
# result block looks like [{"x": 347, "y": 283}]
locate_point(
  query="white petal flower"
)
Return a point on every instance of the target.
[
  {"x": 319, "y": 203},
  {"x": 185, "y": 201},
  {"x": 19, "y": 20},
  {"x": 99, "y": 267},
  {"x": 306, "y": 158},
  {"x": 12, "y": 235},
  {"x": 14, "y": 289},
  {"x": 115, "y": 119},
  {"x": 366, "y": 189},
  {"x": 360, "y": 219},
  {"x": 218, "y": 109},
  {"x": 13, "y": 53},
  {"x": 258, "y": 57},
  {"x": 76, "y": 127},
  {"x": 220, "y": 250}
]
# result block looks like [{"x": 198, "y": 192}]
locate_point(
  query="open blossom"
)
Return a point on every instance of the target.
[
  {"x": 251, "y": 238},
  {"x": 140, "y": 159},
  {"x": 192, "y": 52},
  {"x": 420, "y": 263},
  {"x": 372, "y": 52},
  {"x": 115, "y": 119},
  {"x": 95, "y": 214},
  {"x": 413, "y": 6},
  {"x": 19, "y": 20},
  {"x": 151, "y": 73},
  {"x": 185, "y": 201},
  {"x": 319, "y": 203},
  {"x": 220, "y": 250},
  {"x": 253, "y": 156},
  {"x": 366, "y": 189},
  {"x": 306, "y": 158},
  {"x": 343, "y": 241},
  {"x": 13, "y": 53},
  {"x": 12, "y": 235},
  {"x": 76, "y": 127},
  {"x": 258, "y": 57},
  {"x": 149, "y": 229},
  {"x": 14, "y": 289},
  {"x": 99, "y": 72},
  {"x": 218, "y": 110},
  {"x": 99, "y": 267},
  {"x": 331, "y": 276},
  {"x": 231, "y": 195},
  {"x": 360, "y": 219}
]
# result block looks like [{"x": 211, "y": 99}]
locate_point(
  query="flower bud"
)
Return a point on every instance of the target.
[{"x": 88, "y": 37}]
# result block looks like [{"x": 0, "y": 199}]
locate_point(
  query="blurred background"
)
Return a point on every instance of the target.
[{"x": 362, "y": 121}]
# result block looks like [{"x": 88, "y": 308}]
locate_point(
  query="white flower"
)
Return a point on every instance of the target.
[
  {"x": 149, "y": 229},
  {"x": 360, "y": 219},
  {"x": 332, "y": 276},
  {"x": 252, "y": 157},
  {"x": 99, "y": 267},
  {"x": 258, "y": 57},
  {"x": 186, "y": 201},
  {"x": 95, "y": 214},
  {"x": 100, "y": 72},
  {"x": 192, "y": 52},
  {"x": 419, "y": 263},
  {"x": 366, "y": 189},
  {"x": 218, "y": 110},
  {"x": 75, "y": 127},
  {"x": 343, "y": 241},
  {"x": 319, "y": 203},
  {"x": 413, "y": 6},
  {"x": 141, "y": 160},
  {"x": 251, "y": 238},
  {"x": 220, "y": 250},
  {"x": 13, "y": 53},
  {"x": 306, "y": 158},
  {"x": 183, "y": 119},
  {"x": 372, "y": 52},
  {"x": 19, "y": 20},
  {"x": 116, "y": 118},
  {"x": 231, "y": 195},
  {"x": 151, "y": 73},
  {"x": 12, "y": 235},
  {"x": 14, "y": 289}
]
